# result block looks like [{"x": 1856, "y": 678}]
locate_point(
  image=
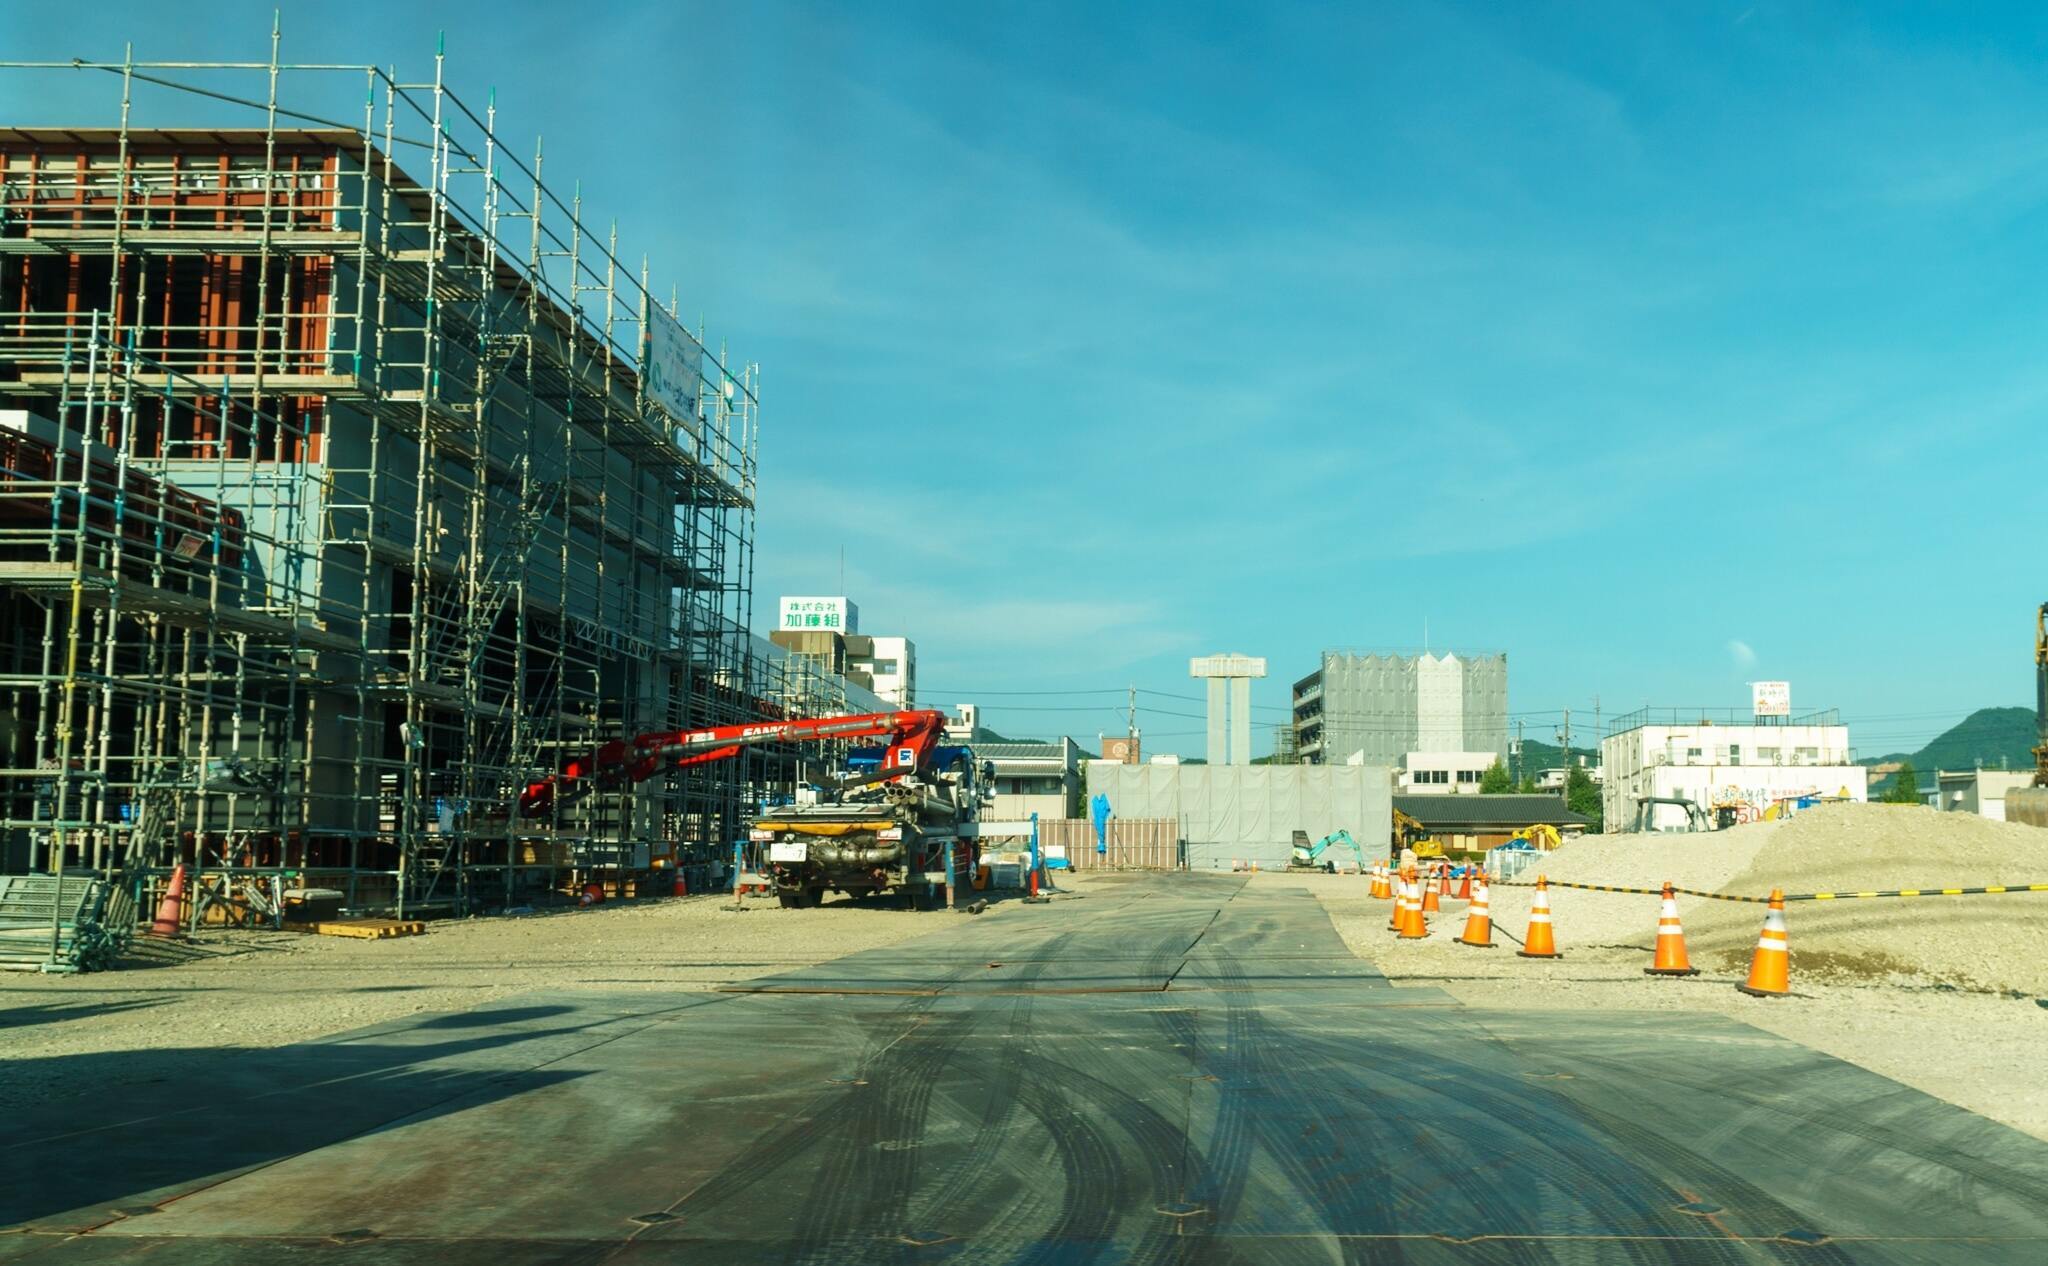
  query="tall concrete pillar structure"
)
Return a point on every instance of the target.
[{"x": 1230, "y": 704}]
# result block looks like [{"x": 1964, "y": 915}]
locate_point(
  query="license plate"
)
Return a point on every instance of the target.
[{"x": 789, "y": 851}]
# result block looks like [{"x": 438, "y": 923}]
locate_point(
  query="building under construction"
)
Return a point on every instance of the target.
[{"x": 348, "y": 481}]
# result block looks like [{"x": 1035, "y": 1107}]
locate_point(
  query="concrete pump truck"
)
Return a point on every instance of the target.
[{"x": 890, "y": 824}]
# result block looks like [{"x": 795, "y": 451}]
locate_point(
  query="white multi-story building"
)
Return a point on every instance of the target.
[
  {"x": 1557, "y": 776},
  {"x": 1443, "y": 773},
  {"x": 1741, "y": 763},
  {"x": 1378, "y": 707},
  {"x": 890, "y": 662}
]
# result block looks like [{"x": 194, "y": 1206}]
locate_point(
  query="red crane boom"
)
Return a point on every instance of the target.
[{"x": 911, "y": 738}]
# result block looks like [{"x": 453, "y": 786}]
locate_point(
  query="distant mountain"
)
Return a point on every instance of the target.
[
  {"x": 1992, "y": 737},
  {"x": 1538, "y": 755}
]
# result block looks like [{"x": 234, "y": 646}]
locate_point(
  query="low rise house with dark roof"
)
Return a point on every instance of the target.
[
  {"x": 1474, "y": 822},
  {"x": 1041, "y": 778}
]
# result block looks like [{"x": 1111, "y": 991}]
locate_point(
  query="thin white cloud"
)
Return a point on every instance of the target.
[{"x": 1741, "y": 653}]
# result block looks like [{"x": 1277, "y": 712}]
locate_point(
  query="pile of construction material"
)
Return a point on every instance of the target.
[
  {"x": 62, "y": 924},
  {"x": 1994, "y": 943}
]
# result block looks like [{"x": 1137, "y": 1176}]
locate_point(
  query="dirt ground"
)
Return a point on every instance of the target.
[
  {"x": 1946, "y": 995},
  {"x": 262, "y": 989}
]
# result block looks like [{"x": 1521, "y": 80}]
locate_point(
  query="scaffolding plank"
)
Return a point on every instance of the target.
[
  {"x": 33, "y": 574},
  {"x": 362, "y": 929},
  {"x": 96, "y": 238},
  {"x": 101, "y": 589},
  {"x": 178, "y": 385}
]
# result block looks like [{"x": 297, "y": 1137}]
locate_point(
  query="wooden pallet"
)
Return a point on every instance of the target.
[{"x": 362, "y": 929}]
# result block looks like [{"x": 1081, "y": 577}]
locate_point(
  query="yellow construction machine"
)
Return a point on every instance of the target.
[
  {"x": 1412, "y": 836},
  {"x": 2041, "y": 696},
  {"x": 2030, "y": 804},
  {"x": 1540, "y": 836}
]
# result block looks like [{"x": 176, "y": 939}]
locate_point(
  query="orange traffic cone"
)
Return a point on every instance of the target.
[
  {"x": 1541, "y": 941},
  {"x": 1385, "y": 888},
  {"x": 1399, "y": 914},
  {"x": 1431, "y": 904},
  {"x": 1478, "y": 921},
  {"x": 1671, "y": 959},
  {"x": 1770, "y": 970},
  {"x": 1465, "y": 888},
  {"x": 1420, "y": 897},
  {"x": 169, "y": 912},
  {"x": 1443, "y": 879}
]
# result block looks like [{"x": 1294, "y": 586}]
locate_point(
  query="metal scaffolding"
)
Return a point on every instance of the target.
[{"x": 336, "y": 503}]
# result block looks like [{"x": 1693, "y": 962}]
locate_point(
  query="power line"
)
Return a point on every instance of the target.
[{"x": 935, "y": 690}]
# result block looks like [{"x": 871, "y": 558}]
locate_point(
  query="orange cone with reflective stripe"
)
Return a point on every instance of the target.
[
  {"x": 1770, "y": 970},
  {"x": 1380, "y": 890},
  {"x": 1478, "y": 931},
  {"x": 1671, "y": 959},
  {"x": 1443, "y": 879},
  {"x": 1541, "y": 941},
  {"x": 1430, "y": 903},
  {"x": 1465, "y": 888},
  {"x": 170, "y": 917},
  {"x": 1404, "y": 894},
  {"x": 1413, "y": 925}
]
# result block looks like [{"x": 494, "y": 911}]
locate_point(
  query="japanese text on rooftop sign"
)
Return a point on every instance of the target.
[
  {"x": 1771, "y": 698},
  {"x": 819, "y": 615},
  {"x": 671, "y": 367}
]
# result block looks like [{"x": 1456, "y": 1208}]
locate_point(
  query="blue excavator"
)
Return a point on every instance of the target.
[{"x": 1307, "y": 856}]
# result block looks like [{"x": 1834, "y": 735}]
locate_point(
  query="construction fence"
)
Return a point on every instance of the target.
[
  {"x": 1229, "y": 814},
  {"x": 1128, "y": 844}
]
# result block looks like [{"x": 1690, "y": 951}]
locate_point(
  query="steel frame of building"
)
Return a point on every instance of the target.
[{"x": 338, "y": 509}]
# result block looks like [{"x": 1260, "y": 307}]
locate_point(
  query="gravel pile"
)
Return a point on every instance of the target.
[
  {"x": 1993, "y": 943},
  {"x": 1943, "y": 994}
]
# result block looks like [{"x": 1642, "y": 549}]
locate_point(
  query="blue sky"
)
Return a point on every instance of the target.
[{"x": 1665, "y": 347}]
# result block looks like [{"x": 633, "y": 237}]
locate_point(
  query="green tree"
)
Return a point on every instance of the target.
[
  {"x": 1582, "y": 796},
  {"x": 1496, "y": 781},
  {"x": 1905, "y": 788},
  {"x": 1528, "y": 787}
]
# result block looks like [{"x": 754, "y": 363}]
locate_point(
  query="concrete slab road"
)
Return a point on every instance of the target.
[{"x": 1170, "y": 1069}]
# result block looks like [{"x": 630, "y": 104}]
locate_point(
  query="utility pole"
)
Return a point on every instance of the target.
[
  {"x": 1518, "y": 752},
  {"x": 1564, "y": 793},
  {"x": 1131, "y": 714}
]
